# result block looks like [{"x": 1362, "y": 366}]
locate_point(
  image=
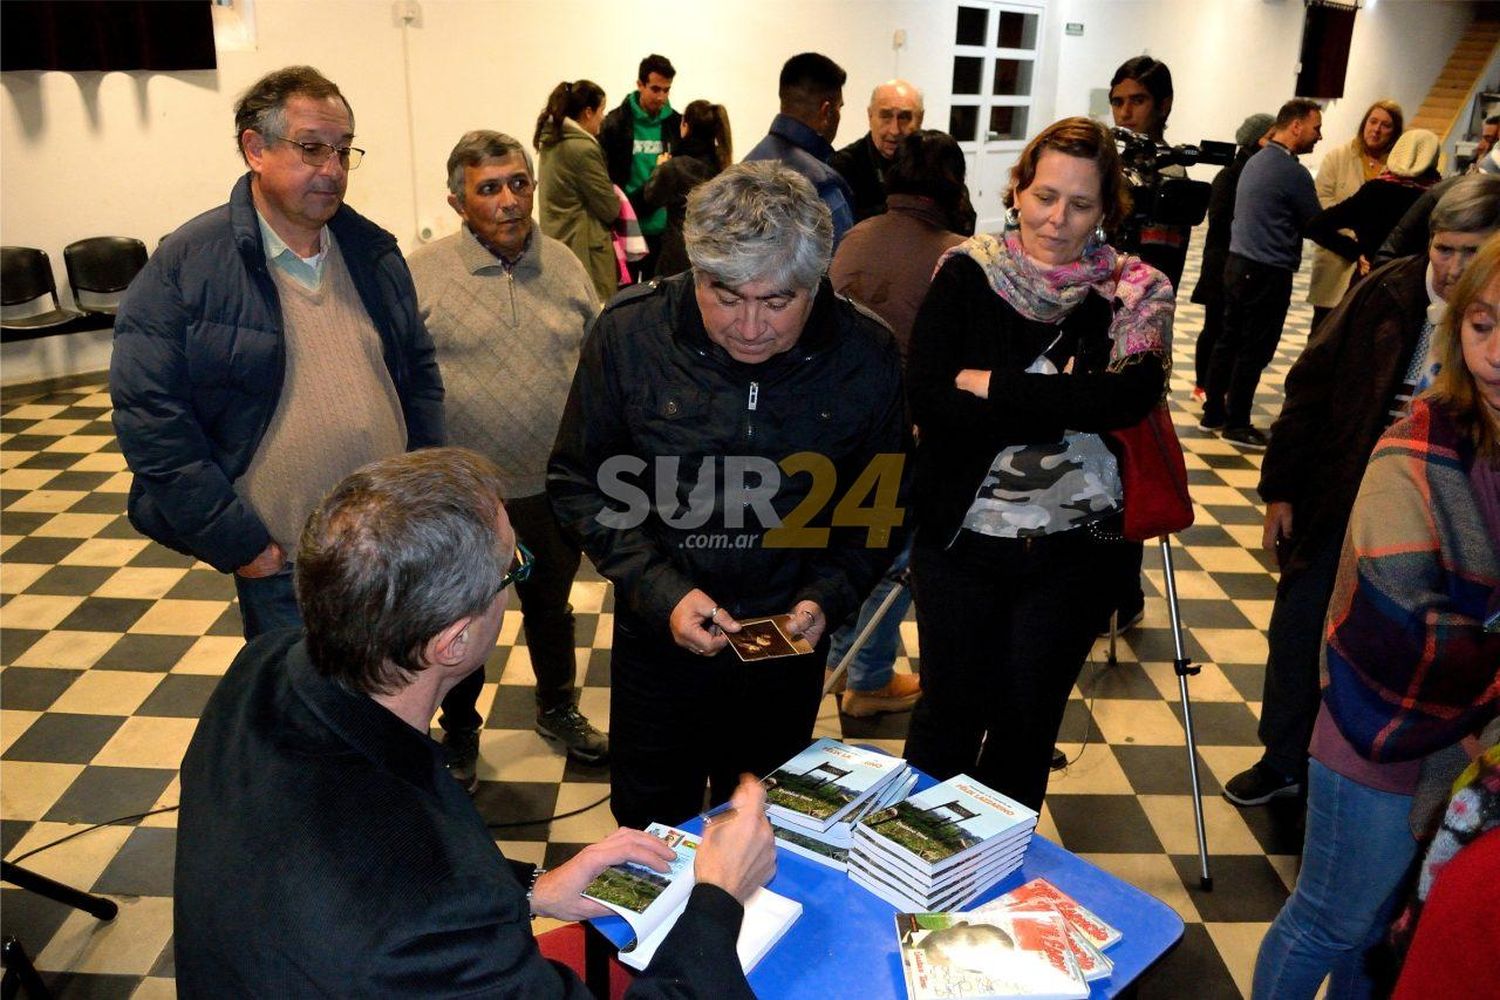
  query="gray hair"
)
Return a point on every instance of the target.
[
  {"x": 262, "y": 108},
  {"x": 474, "y": 148},
  {"x": 400, "y": 550},
  {"x": 1471, "y": 205},
  {"x": 759, "y": 221},
  {"x": 900, "y": 85}
]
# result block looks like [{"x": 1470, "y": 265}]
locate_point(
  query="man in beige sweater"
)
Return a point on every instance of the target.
[
  {"x": 507, "y": 307},
  {"x": 269, "y": 348}
]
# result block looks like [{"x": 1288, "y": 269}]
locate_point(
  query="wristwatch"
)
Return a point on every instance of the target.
[{"x": 536, "y": 873}]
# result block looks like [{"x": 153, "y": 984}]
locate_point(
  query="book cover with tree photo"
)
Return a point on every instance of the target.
[
  {"x": 632, "y": 887},
  {"x": 948, "y": 821},
  {"x": 828, "y": 777}
]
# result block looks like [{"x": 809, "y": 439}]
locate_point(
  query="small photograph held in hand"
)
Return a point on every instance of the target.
[{"x": 767, "y": 639}]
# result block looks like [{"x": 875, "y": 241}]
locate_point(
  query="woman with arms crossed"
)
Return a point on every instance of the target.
[{"x": 1027, "y": 349}]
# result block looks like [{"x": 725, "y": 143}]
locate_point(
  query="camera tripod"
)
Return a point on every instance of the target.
[
  {"x": 1182, "y": 666},
  {"x": 19, "y": 972}
]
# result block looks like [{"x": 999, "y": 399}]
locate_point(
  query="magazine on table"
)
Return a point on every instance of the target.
[
  {"x": 947, "y": 824},
  {"x": 651, "y": 901},
  {"x": 998, "y": 954},
  {"x": 1099, "y": 933},
  {"x": 826, "y": 782},
  {"x": 1091, "y": 961}
]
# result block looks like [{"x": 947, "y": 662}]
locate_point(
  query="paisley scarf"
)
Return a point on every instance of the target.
[{"x": 1142, "y": 297}]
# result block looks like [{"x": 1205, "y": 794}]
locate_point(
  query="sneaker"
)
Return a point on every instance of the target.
[
  {"x": 1199, "y": 394},
  {"x": 898, "y": 696},
  {"x": 461, "y": 755},
  {"x": 1246, "y": 437},
  {"x": 1259, "y": 785},
  {"x": 569, "y": 727},
  {"x": 1211, "y": 425}
]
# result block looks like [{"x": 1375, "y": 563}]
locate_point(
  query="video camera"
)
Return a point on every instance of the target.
[{"x": 1159, "y": 198}]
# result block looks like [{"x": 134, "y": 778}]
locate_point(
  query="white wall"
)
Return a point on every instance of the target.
[
  {"x": 1233, "y": 58},
  {"x": 138, "y": 153}
]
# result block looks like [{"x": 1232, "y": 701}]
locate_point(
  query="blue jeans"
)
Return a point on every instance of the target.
[
  {"x": 268, "y": 603},
  {"x": 1357, "y": 849},
  {"x": 873, "y": 668}
]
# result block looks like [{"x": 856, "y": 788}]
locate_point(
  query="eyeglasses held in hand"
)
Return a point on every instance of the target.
[{"x": 315, "y": 154}]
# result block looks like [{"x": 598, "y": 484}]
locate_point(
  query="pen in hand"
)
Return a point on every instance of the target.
[
  {"x": 726, "y": 810},
  {"x": 718, "y": 814}
]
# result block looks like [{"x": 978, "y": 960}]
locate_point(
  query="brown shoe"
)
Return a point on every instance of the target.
[
  {"x": 897, "y": 696},
  {"x": 843, "y": 680}
]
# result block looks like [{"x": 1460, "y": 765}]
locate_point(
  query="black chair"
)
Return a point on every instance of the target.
[
  {"x": 26, "y": 287},
  {"x": 100, "y": 268}
]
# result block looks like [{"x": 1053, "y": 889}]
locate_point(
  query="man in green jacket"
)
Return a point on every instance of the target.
[{"x": 635, "y": 136}]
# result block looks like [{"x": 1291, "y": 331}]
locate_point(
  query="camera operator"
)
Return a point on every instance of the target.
[{"x": 1140, "y": 98}]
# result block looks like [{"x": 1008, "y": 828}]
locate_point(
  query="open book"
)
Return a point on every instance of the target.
[{"x": 651, "y": 901}]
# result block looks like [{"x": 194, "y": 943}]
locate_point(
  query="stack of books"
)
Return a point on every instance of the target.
[
  {"x": 814, "y": 799},
  {"x": 942, "y": 848}
]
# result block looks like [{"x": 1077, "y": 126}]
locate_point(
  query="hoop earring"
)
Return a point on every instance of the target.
[
  {"x": 1012, "y": 218},
  {"x": 1100, "y": 237}
]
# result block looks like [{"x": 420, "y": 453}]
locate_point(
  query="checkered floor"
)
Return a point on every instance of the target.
[{"x": 111, "y": 645}]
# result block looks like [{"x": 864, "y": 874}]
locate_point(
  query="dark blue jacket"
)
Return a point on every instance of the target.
[
  {"x": 807, "y": 152},
  {"x": 199, "y": 359}
]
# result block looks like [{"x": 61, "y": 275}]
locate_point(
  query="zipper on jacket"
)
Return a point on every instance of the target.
[{"x": 752, "y": 400}]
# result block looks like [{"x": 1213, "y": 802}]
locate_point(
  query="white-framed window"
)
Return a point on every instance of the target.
[{"x": 996, "y": 48}]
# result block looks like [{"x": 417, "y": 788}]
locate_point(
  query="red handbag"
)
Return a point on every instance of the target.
[{"x": 1154, "y": 477}]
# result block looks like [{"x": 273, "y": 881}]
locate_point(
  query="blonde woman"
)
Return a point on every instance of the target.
[{"x": 1343, "y": 170}]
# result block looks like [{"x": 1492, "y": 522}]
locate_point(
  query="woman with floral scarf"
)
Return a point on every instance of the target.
[{"x": 1026, "y": 351}]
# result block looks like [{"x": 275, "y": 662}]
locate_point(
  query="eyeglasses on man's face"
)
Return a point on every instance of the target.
[
  {"x": 519, "y": 572},
  {"x": 315, "y": 154}
]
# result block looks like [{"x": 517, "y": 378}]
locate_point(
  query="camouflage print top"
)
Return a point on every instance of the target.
[{"x": 1042, "y": 489}]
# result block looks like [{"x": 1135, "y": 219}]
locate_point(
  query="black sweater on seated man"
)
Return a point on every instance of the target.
[
  {"x": 322, "y": 847},
  {"x": 323, "y": 850}
]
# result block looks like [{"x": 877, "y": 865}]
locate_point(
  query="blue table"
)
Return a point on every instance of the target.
[{"x": 844, "y": 945}]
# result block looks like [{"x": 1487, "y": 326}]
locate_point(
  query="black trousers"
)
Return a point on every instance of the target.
[
  {"x": 1203, "y": 347},
  {"x": 1004, "y": 627},
  {"x": 679, "y": 721},
  {"x": 1256, "y": 297},
  {"x": 547, "y": 617},
  {"x": 1295, "y": 642}
]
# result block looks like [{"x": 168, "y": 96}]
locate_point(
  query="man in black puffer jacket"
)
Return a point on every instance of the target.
[
  {"x": 270, "y": 347},
  {"x": 731, "y": 448}
]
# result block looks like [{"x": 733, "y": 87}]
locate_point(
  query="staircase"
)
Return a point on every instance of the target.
[{"x": 1448, "y": 101}]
